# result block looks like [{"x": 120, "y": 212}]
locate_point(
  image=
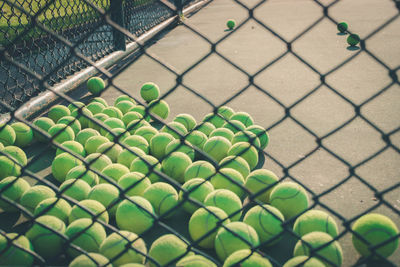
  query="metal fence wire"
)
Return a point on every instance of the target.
[{"x": 126, "y": 186}]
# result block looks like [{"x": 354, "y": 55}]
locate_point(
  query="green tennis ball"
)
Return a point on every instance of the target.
[
  {"x": 353, "y": 39},
  {"x": 57, "y": 112},
  {"x": 236, "y": 163},
  {"x": 243, "y": 117},
  {"x": 100, "y": 100},
  {"x": 289, "y": 198},
  {"x": 96, "y": 121},
  {"x": 71, "y": 147},
  {"x": 315, "y": 221},
  {"x": 125, "y": 106},
  {"x": 131, "y": 116},
  {"x": 9, "y": 167},
  {"x": 216, "y": 119},
  {"x": 124, "y": 98},
  {"x": 261, "y": 133},
  {"x": 53, "y": 206},
  {"x": 199, "y": 169},
  {"x": 42, "y": 123},
  {"x": 97, "y": 161},
  {"x": 147, "y": 165},
  {"x": 246, "y": 151},
  {"x": 160, "y": 108},
  {"x": 203, "y": 225},
  {"x": 149, "y": 91},
  {"x": 85, "y": 134},
  {"x": 17, "y": 154},
  {"x": 195, "y": 189},
  {"x": 195, "y": 261},
  {"x": 158, "y": 143},
  {"x": 175, "y": 165},
  {"x": 330, "y": 255},
  {"x": 15, "y": 188},
  {"x": 76, "y": 189},
  {"x": 85, "y": 234},
  {"x": 375, "y": 229},
  {"x": 163, "y": 197},
  {"x": 113, "y": 172},
  {"x": 147, "y": 132},
  {"x": 234, "y": 125},
  {"x": 134, "y": 183},
  {"x": 111, "y": 150},
  {"x": 23, "y": 134},
  {"x": 247, "y": 258},
  {"x": 82, "y": 173},
  {"x": 166, "y": 249},
  {"x": 230, "y": 179},
  {"x": 304, "y": 261},
  {"x": 107, "y": 195},
  {"x": 96, "y": 210},
  {"x": 226, "y": 242},
  {"x": 342, "y": 27},
  {"x": 267, "y": 221},
  {"x": 180, "y": 146},
  {"x": 95, "y": 107},
  {"x": 225, "y": 112},
  {"x": 95, "y": 85},
  {"x": 93, "y": 143},
  {"x": 227, "y": 201},
  {"x": 71, "y": 122},
  {"x": 217, "y": 147},
  {"x": 230, "y": 24},
  {"x": 138, "y": 208},
  {"x": 224, "y": 132},
  {"x": 62, "y": 164},
  {"x": 248, "y": 137},
  {"x": 34, "y": 195},
  {"x": 142, "y": 111},
  {"x": 206, "y": 128},
  {"x": 128, "y": 155},
  {"x": 186, "y": 120},
  {"x": 117, "y": 135},
  {"x": 124, "y": 247},
  {"x": 111, "y": 123},
  {"x": 137, "y": 141},
  {"x": 175, "y": 129},
  {"x": 134, "y": 125},
  {"x": 7, "y": 135},
  {"x": 197, "y": 139},
  {"x": 45, "y": 242},
  {"x": 75, "y": 105},
  {"x": 14, "y": 250},
  {"x": 92, "y": 260},
  {"x": 61, "y": 133},
  {"x": 83, "y": 115},
  {"x": 261, "y": 181}
]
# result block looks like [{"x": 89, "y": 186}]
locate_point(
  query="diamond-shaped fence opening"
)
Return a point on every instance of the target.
[{"x": 149, "y": 132}]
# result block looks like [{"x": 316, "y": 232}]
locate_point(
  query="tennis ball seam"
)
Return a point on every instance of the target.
[
  {"x": 284, "y": 198},
  {"x": 161, "y": 202},
  {"x": 223, "y": 247},
  {"x": 261, "y": 224},
  {"x": 51, "y": 233}
]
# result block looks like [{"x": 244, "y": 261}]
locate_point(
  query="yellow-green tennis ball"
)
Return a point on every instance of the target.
[
  {"x": 62, "y": 164},
  {"x": 125, "y": 106},
  {"x": 230, "y": 24},
  {"x": 246, "y": 151},
  {"x": 197, "y": 139},
  {"x": 353, "y": 39},
  {"x": 75, "y": 105},
  {"x": 206, "y": 128},
  {"x": 160, "y": 108},
  {"x": 248, "y": 137},
  {"x": 167, "y": 249},
  {"x": 137, "y": 141},
  {"x": 243, "y": 117},
  {"x": 97, "y": 161},
  {"x": 217, "y": 147},
  {"x": 235, "y": 126},
  {"x": 147, "y": 165},
  {"x": 180, "y": 146},
  {"x": 342, "y": 27},
  {"x": 175, "y": 129},
  {"x": 34, "y": 195},
  {"x": 128, "y": 155},
  {"x": 113, "y": 172},
  {"x": 17, "y": 154},
  {"x": 124, "y": 98},
  {"x": 261, "y": 181},
  {"x": 267, "y": 221},
  {"x": 57, "y": 112},
  {"x": 199, "y": 169},
  {"x": 289, "y": 198},
  {"x": 227, "y": 201},
  {"x": 95, "y": 85},
  {"x": 175, "y": 164},
  {"x": 100, "y": 100},
  {"x": 117, "y": 135},
  {"x": 85, "y": 134},
  {"x": 163, "y": 197},
  {"x": 85, "y": 234},
  {"x": 149, "y": 91},
  {"x": 242, "y": 256},
  {"x": 111, "y": 150},
  {"x": 124, "y": 247},
  {"x": 71, "y": 147},
  {"x": 75, "y": 188},
  {"x": 225, "y": 112},
  {"x": 224, "y": 132},
  {"x": 82, "y": 173},
  {"x": 16, "y": 187},
  {"x": 96, "y": 210},
  {"x": 131, "y": 116},
  {"x": 45, "y": 242},
  {"x": 142, "y": 111},
  {"x": 13, "y": 250},
  {"x": 93, "y": 143},
  {"x": 9, "y": 167},
  {"x": 186, "y": 120},
  {"x": 261, "y": 133},
  {"x": 237, "y": 163},
  {"x": 230, "y": 179},
  {"x": 304, "y": 261},
  {"x": 111, "y": 123},
  {"x": 96, "y": 121},
  {"x": 23, "y": 134},
  {"x": 83, "y": 115},
  {"x": 195, "y": 261},
  {"x": 158, "y": 143},
  {"x": 216, "y": 119},
  {"x": 138, "y": 208},
  {"x": 203, "y": 225},
  {"x": 71, "y": 122},
  {"x": 44, "y": 124},
  {"x": 61, "y": 133},
  {"x": 227, "y": 242},
  {"x": 134, "y": 125},
  {"x": 375, "y": 229},
  {"x": 135, "y": 183},
  {"x": 147, "y": 132},
  {"x": 7, "y": 135},
  {"x": 92, "y": 260},
  {"x": 53, "y": 206},
  {"x": 315, "y": 221},
  {"x": 330, "y": 255},
  {"x": 195, "y": 189},
  {"x": 95, "y": 107},
  {"x": 107, "y": 195}
]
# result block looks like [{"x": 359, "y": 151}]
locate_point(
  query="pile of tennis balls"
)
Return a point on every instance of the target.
[
  {"x": 115, "y": 174},
  {"x": 353, "y": 39}
]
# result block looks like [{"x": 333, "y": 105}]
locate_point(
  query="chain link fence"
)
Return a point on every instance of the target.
[{"x": 125, "y": 183}]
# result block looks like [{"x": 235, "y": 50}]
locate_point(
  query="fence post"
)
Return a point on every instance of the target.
[
  {"x": 117, "y": 15},
  {"x": 179, "y": 7}
]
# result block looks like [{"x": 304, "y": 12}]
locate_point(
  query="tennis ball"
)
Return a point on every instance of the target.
[
  {"x": 124, "y": 98},
  {"x": 134, "y": 183},
  {"x": 197, "y": 139},
  {"x": 15, "y": 188},
  {"x": 92, "y": 260},
  {"x": 231, "y": 24},
  {"x": 45, "y": 241},
  {"x": 142, "y": 111},
  {"x": 111, "y": 123},
  {"x": 85, "y": 134},
  {"x": 131, "y": 116},
  {"x": 95, "y": 85},
  {"x": 206, "y": 128},
  {"x": 375, "y": 229},
  {"x": 61, "y": 133},
  {"x": 17, "y": 154},
  {"x": 100, "y": 100},
  {"x": 82, "y": 173},
  {"x": 71, "y": 122},
  {"x": 199, "y": 169},
  {"x": 97, "y": 161},
  {"x": 135, "y": 125},
  {"x": 239, "y": 236},
  {"x": 117, "y": 135},
  {"x": 128, "y": 155},
  {"x": 195, "y": 189},
  {"x": 94, "y": 142},
  {"x": 175, "y": 129},
  {"x": 23, "y": 134},
  {"x": 124, "y": 247},
  {"x": 353, "y": 39},
  {"x": 34, "y": 195},
  {"x": 158, "y": 143},
  {"x": 62, "y": 164},
  {"x": 246, "y": 151},
  {"x": 111, "y": 150},
  {"x": 224, "y": 132},
  {"x": 217, "y": 147},
  {"x": 261, "y": 181},
  {"x": 71, "y": 147},
  {"x": 95, "y": 107},
  {"x": 236, "y": 163},
  {"x": 57, "y": 112},
  {"x": 304, "y": 261},
  {"x": 234, "y": 125},
  {"x": 180, "y": 146},
  {"x": 330, "y": 255},
  {"x": 247, "y": 136},
  {"x": 138, "y": 208},
  {"x": 7, "y": 135},
  {"x": 289, "y": 198},
  {"x": 160, "y": 108},
  {"x": 96, "y": 121},
  {"x": 246, "y": 258},
  {"x": 107, "y": 195},
  {"x": 315, "y": 221},
  {"x": 186, "y": 120},
  {"x": 147, "y": 132},
  {"x": 230, "y": 179},
  {"x": 342, "y": 27},
  {"x": 166, "y": 249},
  {"x": 9, "y": 167},
  {"x": 53, "y": 206},
  {"x": 203, "y": 225},
  {"x": 88, "y": 208},
  {"x": 125, "y": 106},
  {"x": 76, "y": 189},
  {"x": 225, "y": 112},
  {"x": 261, "y": 133},
  {"x": 85, "y": 234},
  {"x": 75, "y": 105},
  {"x": 267, "y": 221},
  {"x": 175, "y": 165},
  {"x": 216, "y": 119},
  {"x": 146, "y": 165},
  {"x": 14, "y": 250},
  {"x": 137, "y": 141},
  {"x": 243, "y": 117},
  {"x": 83, "y": 115},
  {"x": 195, "y": 261},
  {"x": 163, "y": 197},
  {"x": 42, "y": 123},
  {"x": 113, "y": 172},
  {"x": 149, "y": 91},
  {"x": 227, "y": 201}
]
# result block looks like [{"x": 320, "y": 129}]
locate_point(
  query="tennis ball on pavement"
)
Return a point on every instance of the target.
[
  {"x": 53, "y": 206},
  {"x": 166, "y": 249},
  {"x": 206, "y": 128},
  {"x": 267, "y": 221},
  {"x": 7, "y": 135},
  {"x": 230, "y": 24},
  {"x": 42, "y": 123},
  {"x": 204, "y": 223},
  {"x": 315, "y": 221},
  {"x": 131, "y": 116},
  {"x": 137, "y": 141},
  {"x": 57, "y": 112},
  {"x": 62, "y": 164},
  {"x": 160, "y": 108},
  {"x": 330, "y": 255},
  {"x": 85, "y": 134},
  {"x": 95, "y": 85},
  {"x": 180, "y": 146},
  {"x": 107, "y": 195},
  {"x": 111, "y": 123},
  {"x": 114, "y": 172},
  {"x": 175, "y": 129},
  {"x": 135, "y": 183},
  {"x": 234, "y": 125},
  {"x": 83, "y": 115},
  {"x": 117, "y": 135},
  {"x": 230, "y": 179},
  {"x": 100, "y": 100},
  {"x": 199, "y": 169},
  {"x": 124, "y": 98},
  {"x": 342, "y": 27},
  {"x": 17, "y": 154},
  {"x": 375, "y": 229},
  {"x": 216, "y": 119},
  {"x": 128, "y": 155},
  {"x": 13, "y": 250},
  {"x": 243, "y": 117},
  {"x": 195, "y": 189},
  {"x": 138, "y": 208},
  {"x": 92, "y": 260},
  {"x": 71, "y": 122},
  {"x": 45, "y": 241},
  {"x": 149, "y": 91},
  {"x": 15, "y": 188},
  {"x": 9, "y": 167},
  {"x": 82, "y": 173},
  {"x": 242, "y": 256},
  {"x": 261, "y": 133},
  {"x": 125, "y": 106},
  {"x": 111, "y": 150},
  {"x": 304, "y": 261},
  {"x": 96, "y": 210},
  {"x": 353, "y": 39},
  {"x": 147, "y": 165},
  {"x": 95, "y": 107},
  {"x": 175, "y": 164},
  {"x": 224, "y": 132},
  {"x": 93, "y": 143},
  {"x": 34, "y": 195},
  {"x": 97, "y": 161},
  {"x": 142, "y": 111},
  {"x": 23, "y": 134},
  {"x": 197, "y": 139},
  {"x": 195, "y": 261},
  {"x": 289, "y": 198},
  {"x": 71, "y": 147},
  {"x": 261, "y": 181},
  {"x": 236, "y": 163},
  {"x": 227, "y": 201},
  {"x": 163, "y": 197},
  {"x": 75, "y": 105},
  {"x": 96, "y": 121},
  {"x": 241, "y": 236},
  {"x": 248, "y": 137},
  {"x": 217, "y": 147},
  {"x": 124, "y": 247},
  {"x": 158, "y": 143},
  {"x": 75, "y": 188},
  {"x": 225, "y": 112},
  {"x": 147, "y": 132},
  {"x": 61, "y": 133},
  {"x": 186, "y": 120},
  {"x": 246, "y": 151}
]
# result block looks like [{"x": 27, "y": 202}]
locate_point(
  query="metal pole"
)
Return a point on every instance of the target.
[{"x": 117, "y": 15}]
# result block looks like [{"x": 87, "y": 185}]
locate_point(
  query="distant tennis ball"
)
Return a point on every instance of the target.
[
  {"x": 248, "y": 137},
  {"x": 134, "y": 125},
  {"x": 261, "y": 133},
  {"x": 100, "y": 100},
  {"x": 17, "y": 154},
  {"x": 231, "y": 24},
  {"x": 149, "y": 91},
  {"x": 303, "y": 261},
  {"x": 353, "y": 39},
  {"x": 125, "y": 106},
  {"x": 7, "y": 135},
  {"x": 16, "y": 187},
  {"x": 289, "y": 198},
  {"x": 206, "y": 128},
  {"x": 124, "y": 98},
  {"x": 203, "y": 224},
  {"x": 71, "y": 147},
  {"x": 166, "y": 249},
  {"x": 45, "y": 242},
  {"x": 130, "y": 116},
  {"x": 95, "y": 85},
  {"x": 180, "y": 146},
  {"x": 124, "y": 247},
  {"x": 186, "y": 120},
  {"x": 243, "y": 117},
  {"x": 225, "y": 112},
  {"x": 107, "y": 195},
  {"x": 85, "y": 134},
  {"x": 128, "y": 155},
  {"x": 175, "y": 129},
  {"x": 375, "y": 229},
  {"x": 217, "y": 147},
  {"x": 199, "y": 169},
  {"x": 158, "y": 143},
  {"x": 227, "y": 201},
  {"x": 114, "y": 172},
  {"x": 53, "y": 206},
  {"x": 195, "y": 189},
  {"x": 62, "y": 164},
  {"x": 83, "y": 115},
  {"x": 147, "y": 165},
  {"x": 135, "y": 183},
  {"x": 160, "y": 108},
  {"x": 76, "y": 189},
  {"x": 175, "y": 164},
  {"x": 92, "y": 260},
  {"x": 234, "y": 125},
  {"x": 96, "y": 121},
  {"x": 82, "y": 173},
  {"x": 9, "y": 167},
  {"x": 216, "y": 119},
  {"x": 227, "y": 243},
  {"x": 23, "y": 134},
  {"x": 230, "y": 179},
  {"x": 224, "y": 132},
  {"x": 71, "y": 122},
  {"x": 61, "y": 133},
  {"x": 75, "y": 105},
  {"x": 261, "y": 181},
  {"x": 137, "y": 141},
  {"x": 242, "y": 256},
  {"x": 237, "y": 163},
  {"x": 97, "y": 161},
  {"x": 342, "y": 27},
  {"x": 34, "y": 195},
  {"x": 142, "y": 111},
  {"x": 315, "y": 221},
  {"x": 57, "y": 112},
  {"x": 13, "y": 250},
  {"x": 195, "y": 261},
  {"x": 42, "y": 123},
  {"x": 197, "y": 139},
  {"x": 96, "y": 210},
  {"x": 111, "y": 123},
  {"x": 111, "y": 150},
  {"x": 314, "y": 240},
  {"x": 95, "y": 107},
  {"x": 147, "y": 132},
  {"x": 117, "y": 135},
  {"x": 163, "y": 197},
  {"x": 138, "y": 208},
  {"x": 93, "y": 143},
  {"x": 246, "y": 151}
]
